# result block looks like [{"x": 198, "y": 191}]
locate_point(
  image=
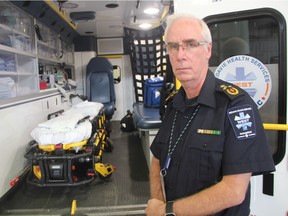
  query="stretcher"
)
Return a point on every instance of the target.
[{"x": 67, "y": 149}]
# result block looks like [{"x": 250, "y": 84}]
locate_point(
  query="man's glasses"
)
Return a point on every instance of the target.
[{"x": 173, "y": 48}]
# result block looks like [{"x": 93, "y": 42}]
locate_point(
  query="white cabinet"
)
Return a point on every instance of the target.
[
  {"x": 54, "y": 57},
  {"x": 17, "y": 53},
  {"x": 16, "y": 28},
  {"x": 47, "y": 43},
  {"x": 67, "y": 53},
  {"x": 23, "y": 53},
  {"x": 26, "y": 75}
]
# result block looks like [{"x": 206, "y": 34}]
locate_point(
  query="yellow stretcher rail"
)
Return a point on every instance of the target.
[
  {"x": 275, "y": 126},
  {"x": 73, "y": 207}
]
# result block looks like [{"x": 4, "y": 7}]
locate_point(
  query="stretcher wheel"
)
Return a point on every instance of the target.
[
  {"x": 104, "y": 171},
  {"x": 105, "y": 178}
]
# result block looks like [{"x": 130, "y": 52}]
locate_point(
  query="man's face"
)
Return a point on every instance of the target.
[{"x": 190, "y": 60}]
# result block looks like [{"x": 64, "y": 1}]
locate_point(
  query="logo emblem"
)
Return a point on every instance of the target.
[
  {"x": 242, "y": 120},
  {"x": 230, "y": 89},
  {"x": 249, "y": 74}
]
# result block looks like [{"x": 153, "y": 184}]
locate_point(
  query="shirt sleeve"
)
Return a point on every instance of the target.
[
  {"x": 154, "y": 149},
  {"x": 246, "y": 148}
]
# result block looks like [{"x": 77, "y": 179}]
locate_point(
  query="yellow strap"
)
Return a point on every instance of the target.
[{"x": 51, "y": 147}]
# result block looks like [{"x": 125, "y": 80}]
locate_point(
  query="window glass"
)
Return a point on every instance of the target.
[
  {"x": 260, "y": 36},
  {"x": 116, "y": 74}
]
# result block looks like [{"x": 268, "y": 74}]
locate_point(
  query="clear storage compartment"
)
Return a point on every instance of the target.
[
  {"x": 16, "y": 28},
  {"x": 47, "y": 43}
]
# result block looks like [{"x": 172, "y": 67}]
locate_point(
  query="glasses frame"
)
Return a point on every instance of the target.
[{"x": 184, "y": 46}]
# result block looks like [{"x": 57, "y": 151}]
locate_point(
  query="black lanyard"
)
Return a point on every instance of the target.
[{"x": 171, "y": 147}]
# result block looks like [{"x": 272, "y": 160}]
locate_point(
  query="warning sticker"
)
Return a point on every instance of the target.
[{"x": 242, "y": 121}]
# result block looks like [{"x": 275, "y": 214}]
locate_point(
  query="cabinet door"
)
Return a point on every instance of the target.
[
  {"x": 26, "y": 75},
  {"x": 17, "y": 57},
  {"x": 8, "y": 76},
  {"x": 47, "y": 43},
  {"x": 17, "y": 74},
  {"x": 16, "y": 28},
  {"x": 67, "y": 51}
]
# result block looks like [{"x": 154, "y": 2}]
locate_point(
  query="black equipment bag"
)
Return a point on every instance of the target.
[{"x": 127, "y": 123}]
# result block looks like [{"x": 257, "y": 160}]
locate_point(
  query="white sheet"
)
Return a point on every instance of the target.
[
  {"x": 46, "y": 136},
  {"x": 65, "y": 128},
  {"x": 86, "y": 108},
  {"x": 62, "y": 122}
]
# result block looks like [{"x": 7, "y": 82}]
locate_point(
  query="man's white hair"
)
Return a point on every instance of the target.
[{"x": 177, "y": 16}]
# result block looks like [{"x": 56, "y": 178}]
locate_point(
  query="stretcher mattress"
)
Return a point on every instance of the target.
[{"x": 72, "y": 126}]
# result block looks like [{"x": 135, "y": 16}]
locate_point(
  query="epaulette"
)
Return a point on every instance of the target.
[
  {"x": 170, "y": 96},
  {"x": 166, "y": 104},
  {"x": 230, "y": 90}
]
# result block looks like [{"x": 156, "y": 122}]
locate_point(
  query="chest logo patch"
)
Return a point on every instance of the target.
[{"x": 242, "y": 121}]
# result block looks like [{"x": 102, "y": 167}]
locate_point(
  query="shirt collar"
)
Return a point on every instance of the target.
[
  {"x": 207, "y": 93},
  {"x": 206, "y": 96}
]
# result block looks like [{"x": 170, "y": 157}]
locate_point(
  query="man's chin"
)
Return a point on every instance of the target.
[{"x": 183, "y": 79}]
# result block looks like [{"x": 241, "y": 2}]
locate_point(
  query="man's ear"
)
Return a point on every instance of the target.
[{"x": 209, "y": 50}]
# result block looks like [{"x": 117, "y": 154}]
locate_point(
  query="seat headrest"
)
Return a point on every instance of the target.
[{"x": 99, "y": 64}]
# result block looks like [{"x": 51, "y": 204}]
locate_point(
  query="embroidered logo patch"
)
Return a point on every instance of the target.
[
  {"x": 230, "y": 89},
  {"x": 242, "y": 121}
]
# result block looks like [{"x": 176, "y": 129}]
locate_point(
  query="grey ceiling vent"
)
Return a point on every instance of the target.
[{"x": 82, "y": 16}]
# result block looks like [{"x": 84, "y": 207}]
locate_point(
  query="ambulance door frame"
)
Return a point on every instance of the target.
[{"x": 282, "y": 64}]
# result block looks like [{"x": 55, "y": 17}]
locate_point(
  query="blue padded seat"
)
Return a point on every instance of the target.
[
  {"x": 146, "y": 118},
  {"x": 100, "y": 84}
]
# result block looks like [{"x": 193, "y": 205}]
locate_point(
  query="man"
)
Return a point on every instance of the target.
[{"x": 204, "y": 153}]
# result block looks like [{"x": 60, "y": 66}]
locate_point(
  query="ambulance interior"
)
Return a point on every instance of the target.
[{"x": 111, "y": 55}]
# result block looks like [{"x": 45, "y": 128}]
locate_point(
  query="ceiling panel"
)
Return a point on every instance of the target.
[{"x": 109, "y": 22}]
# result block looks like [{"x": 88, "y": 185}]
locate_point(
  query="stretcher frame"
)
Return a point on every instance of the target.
[{"x": 61, "y": 165}]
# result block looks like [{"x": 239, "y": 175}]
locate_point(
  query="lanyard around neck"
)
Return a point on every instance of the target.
[{"x": 171, "y": 147}]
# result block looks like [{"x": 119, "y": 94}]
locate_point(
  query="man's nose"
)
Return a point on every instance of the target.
[{"x": 181, "y": 51}]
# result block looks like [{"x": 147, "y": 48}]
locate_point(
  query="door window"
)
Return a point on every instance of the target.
[{"x": 259, "y": 37}]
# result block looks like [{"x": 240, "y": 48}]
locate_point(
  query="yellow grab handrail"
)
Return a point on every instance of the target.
[{"x": 275, "y": 126}]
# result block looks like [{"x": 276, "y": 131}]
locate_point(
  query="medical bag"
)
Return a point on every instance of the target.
[
  {"x": 152, "y": 90},
  {"x": 127, "y": 122}
]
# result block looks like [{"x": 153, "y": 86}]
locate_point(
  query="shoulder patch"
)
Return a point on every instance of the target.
[
  {"x": 230, "y": 90},
  {"x": 242, "y": 121}
]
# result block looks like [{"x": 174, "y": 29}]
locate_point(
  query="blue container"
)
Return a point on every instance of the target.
[{"x": 152, "y": 90}]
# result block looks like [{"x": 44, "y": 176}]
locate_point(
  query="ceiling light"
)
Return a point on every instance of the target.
[
  {"x": 151, "y": 10},
  {"x": 145, "y": 25},
  {"x": 82, "y": 16}
]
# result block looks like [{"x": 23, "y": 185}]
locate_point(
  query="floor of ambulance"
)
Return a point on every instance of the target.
[{"x": 126, "y": 193}]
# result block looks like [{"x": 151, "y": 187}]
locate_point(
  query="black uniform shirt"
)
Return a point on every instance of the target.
[{"x": 225, "y": 137}]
